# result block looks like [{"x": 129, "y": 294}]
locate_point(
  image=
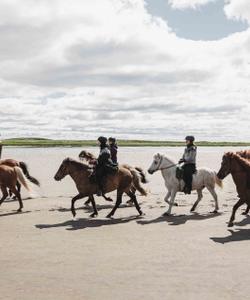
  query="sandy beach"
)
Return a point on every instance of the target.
[{"x": 47, "y": 255}]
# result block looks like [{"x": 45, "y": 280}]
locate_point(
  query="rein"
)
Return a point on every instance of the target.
[{"x": 168, "y": 167}]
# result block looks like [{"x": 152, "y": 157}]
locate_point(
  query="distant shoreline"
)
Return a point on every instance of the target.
[{"x": 40, "y": 143}]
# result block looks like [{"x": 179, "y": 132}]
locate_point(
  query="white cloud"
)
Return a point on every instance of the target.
[
  {"x": 77, "y": 69},
  {"x": 183, "y": 4},
  {"x": 238, "y": 9}
]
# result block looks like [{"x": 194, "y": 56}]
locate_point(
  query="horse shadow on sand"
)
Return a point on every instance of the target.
[
  {"x": 236, "y": 235},
  {"x": 180, "y": 219},
  {"x": 89, "y": 209},
  {"x": 87, "y": 223},
  {"x": 13, "y": 213}
]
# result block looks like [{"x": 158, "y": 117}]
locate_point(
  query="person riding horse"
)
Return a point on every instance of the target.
[
  {"x": 113, "y": 149},
  {"x": 104, "y": 164},
  {"x": 189, "y": 160}
]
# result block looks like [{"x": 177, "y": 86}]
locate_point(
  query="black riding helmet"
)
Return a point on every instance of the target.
[
  {"x": 112, "y": 140},
  {"x": 190, "y": 138},
  {"x": 102, "y": 139}
]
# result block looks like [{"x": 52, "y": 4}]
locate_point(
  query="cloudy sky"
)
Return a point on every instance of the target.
[{"x": 141, "y": 69}]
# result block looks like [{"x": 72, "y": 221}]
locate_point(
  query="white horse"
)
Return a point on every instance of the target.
[{"x": 202, "y": 178}]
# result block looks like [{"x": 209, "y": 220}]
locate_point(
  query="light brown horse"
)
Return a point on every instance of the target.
[
  {"x": 239, "y": 168},
  {"x": 122, "y": 181},
  {"x": 91, "y": 160},
  {"x": 9, "y": 176},
  {"x": 14, "y": 163}
]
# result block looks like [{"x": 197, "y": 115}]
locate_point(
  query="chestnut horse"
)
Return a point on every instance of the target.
[
  {"x": 9, "y": 176},
  {"x": 239, "y": 168},
  {"x": 91, "y": 160},
  {"x": 122, "y": 181},
  {"x": 14, "y": 163}
]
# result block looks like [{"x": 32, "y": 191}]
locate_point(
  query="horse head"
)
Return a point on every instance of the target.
[
  {"x": 225, "y": 168},
  {"x": 63, "y": 169},
  {"x": 160, "y": 162}
]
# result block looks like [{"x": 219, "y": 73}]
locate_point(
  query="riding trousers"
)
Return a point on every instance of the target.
[{"x": 189, "y": 170}]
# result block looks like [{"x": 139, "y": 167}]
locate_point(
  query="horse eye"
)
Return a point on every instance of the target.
[{"x": 155, "y": 162}]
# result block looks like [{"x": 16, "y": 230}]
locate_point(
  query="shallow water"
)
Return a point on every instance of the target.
[{"x": 44, "y": 162}]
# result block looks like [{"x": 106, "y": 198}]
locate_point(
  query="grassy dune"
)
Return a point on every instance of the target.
[{"x": 40, "y": 142}]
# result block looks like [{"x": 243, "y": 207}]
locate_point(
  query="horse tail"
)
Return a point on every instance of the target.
[
  {"x": 142, "y": 175},
  {"x": 218, "y": 181},
  {"x": 22, "y": 179},
  {"x": 25, "y": 170},
  {"x": 136, "y": 182}
]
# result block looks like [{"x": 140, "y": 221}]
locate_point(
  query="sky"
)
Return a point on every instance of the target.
[{"x": 133, "y": 69}]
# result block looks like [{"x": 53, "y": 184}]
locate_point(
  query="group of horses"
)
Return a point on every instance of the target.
[{"x": 129, "y": 179}]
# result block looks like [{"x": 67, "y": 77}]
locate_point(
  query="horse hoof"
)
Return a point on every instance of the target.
[
  {"x": 230, "y": 224},
  {"x": 74, "y": 219},
  {"x": 19, "y": 210},
  {"x": 141, "y": 213},
  {"x": 109, "y": 216},
  {"x": 176, "y": 204},
  {"x": 166, "y": 214},
  {"x": 93, "y": 215},
  {"x": 192, "y": 210},
  {"x": 214, "y": 212}
]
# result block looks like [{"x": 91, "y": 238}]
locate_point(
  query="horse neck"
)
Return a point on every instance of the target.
[
  {"x": 166, "y": 162},
  {"x": 76, "y": 173}
]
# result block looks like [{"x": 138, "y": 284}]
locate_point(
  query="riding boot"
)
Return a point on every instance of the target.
[{"x": 187, "y": 190}]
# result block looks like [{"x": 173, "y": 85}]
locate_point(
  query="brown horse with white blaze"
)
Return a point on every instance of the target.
[
  {"x": 121, "y": 181},
  {"x": 239, "y": 168}
]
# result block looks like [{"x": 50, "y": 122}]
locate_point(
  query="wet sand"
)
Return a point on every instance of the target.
[{"x": 47, "y": 255}]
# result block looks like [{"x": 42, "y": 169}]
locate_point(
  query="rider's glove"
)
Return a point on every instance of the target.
[{"x": 181, "y": 160}]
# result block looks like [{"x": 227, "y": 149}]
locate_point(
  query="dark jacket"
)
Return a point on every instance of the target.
[{"x": 113, "y": 151}]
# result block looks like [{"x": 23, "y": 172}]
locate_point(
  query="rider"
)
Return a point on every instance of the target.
[
  {"x": 113, "y": 149},
  {"x": 104, "y": 163},
  {"x": 189, "y": 160}
]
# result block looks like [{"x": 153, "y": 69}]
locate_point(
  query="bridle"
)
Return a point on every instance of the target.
[{"x": 168, "y": 167}]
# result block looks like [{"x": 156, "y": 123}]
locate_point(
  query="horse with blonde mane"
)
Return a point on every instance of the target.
[
  {"x": 138, "y": 174},
  {"x": 122, "y": 181},
  {"x": 9, "y": 176},
  {"x": 204, "y": 177}
]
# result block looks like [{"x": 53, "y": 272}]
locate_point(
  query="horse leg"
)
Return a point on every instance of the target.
[
  {"x": 95, "y": 213},
  {"x": 137, "y": 206},
  {"x": 117, "y": 204},
  {"x": 247, "y": 210},
  {"x": 167, "y": 197},
  {"x": 87, "y": 201},
  {"x": 171, "y": 203},
  {"x": 213, "y": 193},
  {"x": 236, "y": 206},
  {"x": 5, "y": 194},
  {"x": 18, "y": 195},
  {"x": 77, "y": 197},
  {"x": 200, "y": 195}
]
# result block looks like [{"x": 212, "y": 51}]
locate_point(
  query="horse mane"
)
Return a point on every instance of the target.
[
  {"x": 88, "y": 155},
  {"x": 244, "y": 154},
  {"x": 77, "y": 164},
  {"x": 170, "y": 159},
  {"x": 244, "y": 162}
]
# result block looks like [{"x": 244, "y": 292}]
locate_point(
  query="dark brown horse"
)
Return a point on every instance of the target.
[
  {"x": 9, "y": 176},
  {"x": 239, "y": 168},
  {"x": 122, "y": 181}
]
